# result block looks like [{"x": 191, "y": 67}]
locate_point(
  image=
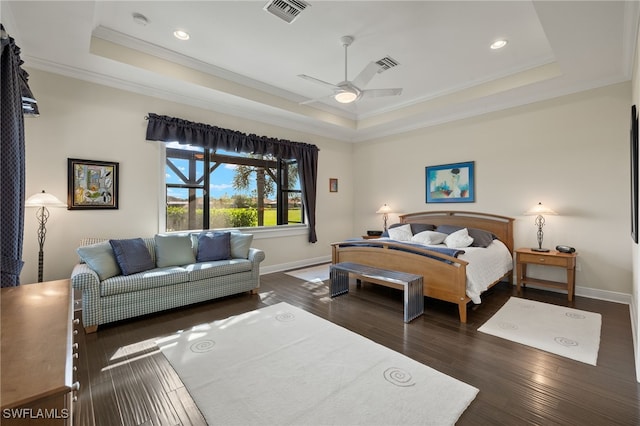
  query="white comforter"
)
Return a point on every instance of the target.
[{"x": 486, "y": 265}]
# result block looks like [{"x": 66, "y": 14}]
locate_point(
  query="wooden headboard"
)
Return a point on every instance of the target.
[{"x": 500, "y": 226}]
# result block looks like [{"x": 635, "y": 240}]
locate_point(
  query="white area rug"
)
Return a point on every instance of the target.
[
  {"x": 281, "y": 365},
  {"x": 563, "y": 331},
  {"x": 317, "y": 273}
]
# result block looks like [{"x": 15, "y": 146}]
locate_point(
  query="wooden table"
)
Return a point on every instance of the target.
[
  {"x": 527, "y": 256},
  {"x": 37, "y": 353}
]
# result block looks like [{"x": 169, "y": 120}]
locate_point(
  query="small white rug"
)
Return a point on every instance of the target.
[
  {"x": 318, "y": 273},
  {"x": 281, "y": 365},
  {"x": 563, "y": 331}
]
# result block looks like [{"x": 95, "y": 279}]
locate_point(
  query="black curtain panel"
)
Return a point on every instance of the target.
[
  {"x": 13, "y": 87},
  {"x": 170, "y": 129}
]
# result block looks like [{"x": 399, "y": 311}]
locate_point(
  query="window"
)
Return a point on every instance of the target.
[{"x": 208, "y": 189}]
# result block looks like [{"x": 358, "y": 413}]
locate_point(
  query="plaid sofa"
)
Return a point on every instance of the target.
[{"x": 121, "y": 297}]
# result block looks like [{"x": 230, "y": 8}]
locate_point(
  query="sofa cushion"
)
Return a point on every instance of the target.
[
  {"x": 214, "y": 246},
  {"x": 157, "y": 277},
  {"x": 132, "y": 255},
  {"x": 240, "y": 245},
  {"x": 173, "y": 250},
  {"x": 100, "y": 258},
  {"x": 217, "y": 268}
]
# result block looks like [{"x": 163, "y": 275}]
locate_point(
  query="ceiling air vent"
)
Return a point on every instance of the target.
[
  {"x": 386, "y": 63},
  {"x": 287, "y": 10}
]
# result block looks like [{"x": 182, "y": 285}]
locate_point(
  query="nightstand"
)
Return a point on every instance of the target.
[{"x": 526, "y": 256}]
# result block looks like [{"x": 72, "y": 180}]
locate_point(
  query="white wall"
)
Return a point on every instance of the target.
[
  {"x": 570, "y": 153},
  {"x": 90, "y": 121}
]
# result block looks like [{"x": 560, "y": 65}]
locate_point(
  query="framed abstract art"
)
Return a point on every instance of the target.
[
  {"x": 451, "y": 183},
  {"x": 92, "y": 184}
]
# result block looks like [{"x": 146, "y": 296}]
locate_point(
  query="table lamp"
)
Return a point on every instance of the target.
[
  {"x": 539, "y": 210},
  {"x": 385, "y": 210}
]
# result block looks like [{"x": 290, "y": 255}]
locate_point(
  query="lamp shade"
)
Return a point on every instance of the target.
[
  {"x": 539, "y": 209},
  {"x": 43, "y": 199},
  {"x": 384, "y": 209}
]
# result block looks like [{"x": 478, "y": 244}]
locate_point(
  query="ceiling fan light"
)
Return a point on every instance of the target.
[{"x": 345, "y": 96}]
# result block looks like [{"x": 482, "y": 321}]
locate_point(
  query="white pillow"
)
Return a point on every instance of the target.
[
  {"x": 429, "y": 237},
  {"x": 459, "y": 239},
  {"x": 401, "y": 233}
]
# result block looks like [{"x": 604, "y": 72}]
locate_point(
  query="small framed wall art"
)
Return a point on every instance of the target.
[
  {"x": 92, "y": 184},
  {"x": 451, "y": 183},
  {"x": 333, "y": 185}
]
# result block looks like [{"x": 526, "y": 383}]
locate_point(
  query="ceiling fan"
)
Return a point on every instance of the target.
[{"x": 350, "y": 91}]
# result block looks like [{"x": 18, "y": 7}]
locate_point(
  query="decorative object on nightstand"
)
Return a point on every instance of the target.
[
  {"x": 525, "y": 256},
  {"x": 385, "y": 210},
  {"x": 42, "y": 200},
  {"x": 539, "y": 210},
  {"x": 372, "y": 235}
]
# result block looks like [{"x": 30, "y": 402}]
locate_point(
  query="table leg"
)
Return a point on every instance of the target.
[{"x": 571, "y": 283}]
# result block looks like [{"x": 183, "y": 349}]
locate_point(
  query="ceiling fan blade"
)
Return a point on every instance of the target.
[
  {"x": 315, "y": 80},
  {"x": 366, "y": 75},
  {"x": 377, "y": 93}
]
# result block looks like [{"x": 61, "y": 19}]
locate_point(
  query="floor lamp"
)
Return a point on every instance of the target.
[{"x": 42, "y": 200}]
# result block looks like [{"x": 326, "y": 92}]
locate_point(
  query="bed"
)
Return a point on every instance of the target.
[{"x": 445, "y": 277}]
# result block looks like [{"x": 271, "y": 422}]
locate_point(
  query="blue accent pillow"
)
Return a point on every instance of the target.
[
  {"x": 214, "y": 246},
  {"x": 132, "y": 255}
]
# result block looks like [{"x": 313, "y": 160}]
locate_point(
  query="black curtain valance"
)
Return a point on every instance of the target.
[{"x": 170, "y": 129}]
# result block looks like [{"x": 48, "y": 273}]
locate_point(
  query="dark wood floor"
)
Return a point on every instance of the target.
[{"x": 125, "y": 380}]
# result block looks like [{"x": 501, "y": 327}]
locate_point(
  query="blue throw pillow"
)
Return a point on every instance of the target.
[
  {"x": 214, "y": 246},
  {"x": 132, "y": 255}
]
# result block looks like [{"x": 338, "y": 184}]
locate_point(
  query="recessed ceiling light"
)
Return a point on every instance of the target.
[
  {"x": 140, "y": 19},
  {"x": 181, "y": 35},
  {"x": 498, "y": 44}
]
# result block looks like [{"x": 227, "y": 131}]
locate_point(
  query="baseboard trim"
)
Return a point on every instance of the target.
[
  {"x": 294, "y": 265},
  {"x": 593, "y": 293}
]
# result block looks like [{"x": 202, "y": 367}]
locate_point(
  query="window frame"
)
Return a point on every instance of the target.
[{"x": 260, "y": 231}]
